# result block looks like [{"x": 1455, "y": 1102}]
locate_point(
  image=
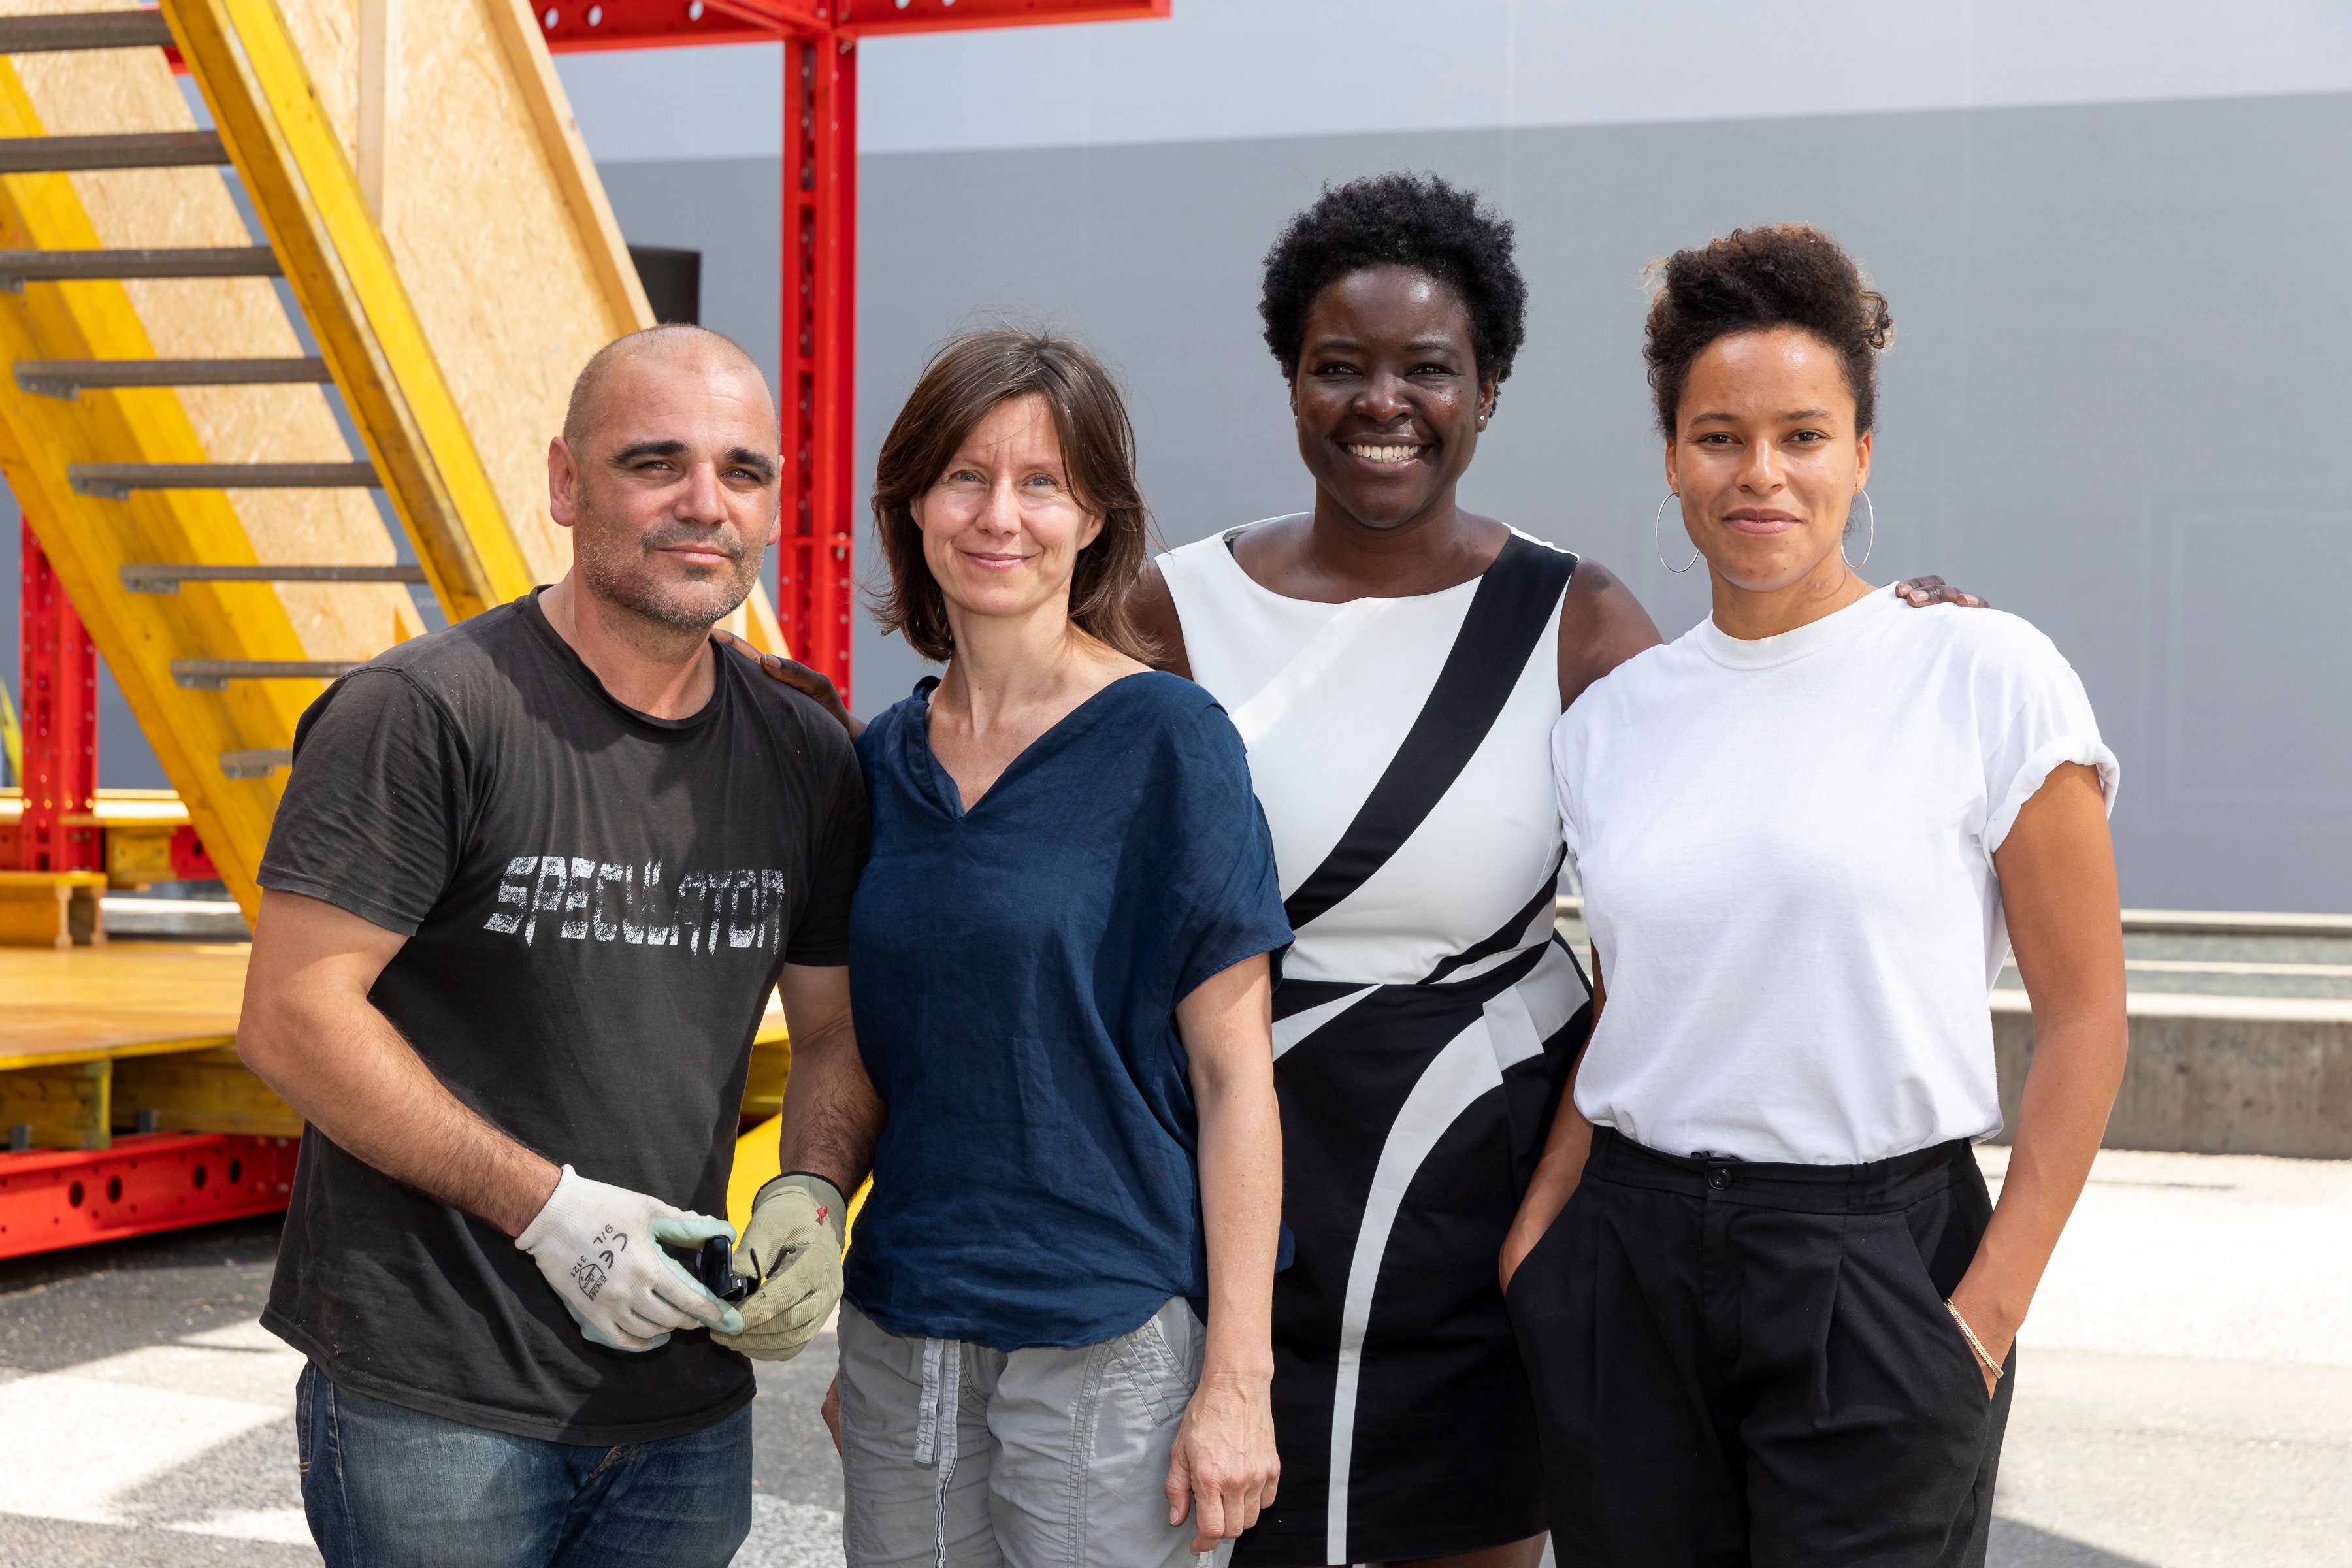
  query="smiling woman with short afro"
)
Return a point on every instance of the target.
[{"x": 1401, "y": 220}]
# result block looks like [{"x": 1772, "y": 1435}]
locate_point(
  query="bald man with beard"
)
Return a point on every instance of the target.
[{"x": 531, "y": 884}]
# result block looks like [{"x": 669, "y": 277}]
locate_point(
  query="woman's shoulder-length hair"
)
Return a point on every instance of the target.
[{"x": 971, "y": 374}]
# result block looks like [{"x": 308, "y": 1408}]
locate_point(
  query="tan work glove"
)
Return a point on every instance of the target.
[{"x": 792, "y": 1245}]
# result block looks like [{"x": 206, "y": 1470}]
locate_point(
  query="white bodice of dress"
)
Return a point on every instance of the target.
[{"x": 1323, "y": 696}]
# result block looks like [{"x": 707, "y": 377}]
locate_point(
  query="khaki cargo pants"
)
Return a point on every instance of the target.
[{"x": 957, "y": 1455}]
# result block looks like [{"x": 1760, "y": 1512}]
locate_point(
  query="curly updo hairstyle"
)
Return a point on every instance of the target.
[
  {"x": 1402, "y": 220},
  {"x": 1790, "y": 275}
]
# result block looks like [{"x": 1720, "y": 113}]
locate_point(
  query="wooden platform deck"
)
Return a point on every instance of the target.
[{"x": 124, "y": 999}]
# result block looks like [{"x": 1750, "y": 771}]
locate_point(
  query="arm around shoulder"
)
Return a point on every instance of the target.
[
  {"x": 1154, "y": 608},
  {"x": 1602, "y": 625}
]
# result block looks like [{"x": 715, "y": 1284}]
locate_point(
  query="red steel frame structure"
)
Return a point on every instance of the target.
[
  {"x": 162, "y": 1180},
  {"x": 815, "y": 567},
  {"x": 56, "y": 665}
]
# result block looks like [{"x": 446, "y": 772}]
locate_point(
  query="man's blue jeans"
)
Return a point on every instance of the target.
[{"x": 387, "y": 1488}]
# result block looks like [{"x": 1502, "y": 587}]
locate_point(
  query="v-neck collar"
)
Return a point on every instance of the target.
[{"x": 943, "y": 787}]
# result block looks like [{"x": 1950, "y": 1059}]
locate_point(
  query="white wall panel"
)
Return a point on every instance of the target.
[{"x": 1222, "y": 70}]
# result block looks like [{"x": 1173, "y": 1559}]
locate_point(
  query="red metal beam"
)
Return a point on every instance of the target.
[
  {"x": 820, "y": 313},
  {"x": 574, "y": 26},
  {"x": 874, "y": 18},
  {"x": 56, "y": 680},
  {"x": 147, "y": 1182},
  {"x": 578, "y": 25}
]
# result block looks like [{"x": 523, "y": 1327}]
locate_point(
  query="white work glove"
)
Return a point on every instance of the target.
[
  {"x": 794, "y": 1239},
  {"x": 600, "y": 1246}
]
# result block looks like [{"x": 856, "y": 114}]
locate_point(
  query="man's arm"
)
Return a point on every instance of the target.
[
  {"x": 832, "y": 1117},
  {"x": 309, "y": 1031},
  {"x": 1224, "y": 1453},
  {"x": 831, "y": 1120}
]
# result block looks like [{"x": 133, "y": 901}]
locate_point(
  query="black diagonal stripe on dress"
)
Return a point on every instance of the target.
[
  {"x": 1507, "y": 936},
  {"x": 1508, "y": 616}
]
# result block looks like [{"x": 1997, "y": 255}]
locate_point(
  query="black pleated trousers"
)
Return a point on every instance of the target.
[{"x": 1743, "y": 1363}]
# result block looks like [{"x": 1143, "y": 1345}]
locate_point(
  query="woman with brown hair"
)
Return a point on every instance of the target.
[{"x": 1054, "y": 1339}]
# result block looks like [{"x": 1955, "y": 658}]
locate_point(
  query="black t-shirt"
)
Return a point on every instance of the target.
[{"x": 597, "y": 904}]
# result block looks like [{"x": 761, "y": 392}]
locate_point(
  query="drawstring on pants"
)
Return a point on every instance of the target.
[{"x": 935, "y": 1426}]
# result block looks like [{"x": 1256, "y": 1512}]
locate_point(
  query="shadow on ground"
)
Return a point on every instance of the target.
[{"x": 2016, "y": 1545}]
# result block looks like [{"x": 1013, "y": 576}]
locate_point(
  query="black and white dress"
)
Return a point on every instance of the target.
[{"x": 1426, "y": 1019}]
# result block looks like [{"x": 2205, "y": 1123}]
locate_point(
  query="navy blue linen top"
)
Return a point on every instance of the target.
[{"x": 1014, "y": 972}]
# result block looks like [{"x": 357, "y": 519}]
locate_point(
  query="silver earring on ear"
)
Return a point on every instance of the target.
[
  {"x": 1659, "y": 545},
  {"x": 1872, "y": 511}
]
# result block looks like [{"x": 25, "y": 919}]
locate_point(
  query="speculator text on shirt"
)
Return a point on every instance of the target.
[{"x": 577, "y": 898}]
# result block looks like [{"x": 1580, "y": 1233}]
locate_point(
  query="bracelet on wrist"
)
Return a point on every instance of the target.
[{"x": 1984, "y": 1357}]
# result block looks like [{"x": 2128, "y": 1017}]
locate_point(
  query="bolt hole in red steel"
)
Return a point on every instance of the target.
[
  {"x": 203, "y": 1175},
  {"x": 114, "y": 1189},
  {"x": 74, "y": 1197},
  {"x": 235, "y": 1172}
]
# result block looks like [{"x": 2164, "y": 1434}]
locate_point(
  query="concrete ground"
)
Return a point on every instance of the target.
[{"x": 2184, "y": 1398}]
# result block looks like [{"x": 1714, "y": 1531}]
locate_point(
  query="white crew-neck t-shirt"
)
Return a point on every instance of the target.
[{"x": 1787, "y": 853}]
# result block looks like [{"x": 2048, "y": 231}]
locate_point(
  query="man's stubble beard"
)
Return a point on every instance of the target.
[{"x": 614, "y": 567}]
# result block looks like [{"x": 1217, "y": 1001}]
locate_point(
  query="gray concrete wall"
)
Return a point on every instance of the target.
[{"x": 2211, "y": 1075}]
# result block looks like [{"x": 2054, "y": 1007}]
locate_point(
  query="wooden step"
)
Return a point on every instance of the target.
[
  {"x": 115, "y": 150},
  {"x": 115, "y": 481},
  {"x": 215, "y": 674},
  {"x": 18, "y": 268},
  {"x": 167, "y": 579},
  {"x": 89, "y": 30},
  {"x": 64, "y": 377}
]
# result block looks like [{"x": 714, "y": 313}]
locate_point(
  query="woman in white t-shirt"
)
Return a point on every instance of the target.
[{"x": 1765, "y": 1301}]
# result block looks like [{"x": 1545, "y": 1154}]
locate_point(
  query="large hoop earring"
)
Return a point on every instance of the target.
[
  {"x": 1659, "y": 545},
  {"x": 1864, "y": 496}
]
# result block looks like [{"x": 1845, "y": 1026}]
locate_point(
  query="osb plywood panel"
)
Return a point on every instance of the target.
[
  {"x": 326, "y": 33},
  {"x": 473, "y": 210},
  {"x": 99, "y": 92},
  {"x": 471, "y": 196}
]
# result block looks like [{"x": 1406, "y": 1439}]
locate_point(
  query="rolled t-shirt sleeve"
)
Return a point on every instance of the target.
[
  {"x": 840, "y": 834},
  {"x": 1224, "y": 855},
  {"x": 373, "y": 816},
  {"x": 2050, "y": 724}
]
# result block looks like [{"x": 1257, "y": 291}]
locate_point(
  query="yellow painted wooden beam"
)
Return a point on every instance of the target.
[
  {"x": 51, "y": 909},
  {"x": 61, "y": 1107},
  {"x": 316, "y": 215},
  {"x": 118, "y": 1053},
  {"x": 203, "y": 1091}
]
